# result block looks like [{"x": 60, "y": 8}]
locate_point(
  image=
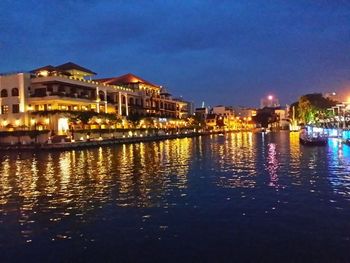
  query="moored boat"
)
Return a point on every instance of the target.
[{"x": 312, "y": 139}]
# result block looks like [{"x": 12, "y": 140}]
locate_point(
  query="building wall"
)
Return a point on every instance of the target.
[
  {"x": 222, "y": 110},
  {"x": 13, "y": 106}
]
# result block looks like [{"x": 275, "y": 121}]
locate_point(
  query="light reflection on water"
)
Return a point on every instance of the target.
[
  {"x": 339, "y": 167},
  {"x": 57, "y": 195}
]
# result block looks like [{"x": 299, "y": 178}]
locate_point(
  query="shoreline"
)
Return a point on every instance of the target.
[{"x": 104, "y": 142}]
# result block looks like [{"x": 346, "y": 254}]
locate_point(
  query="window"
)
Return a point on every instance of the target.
[
  {"x": 15, "y": 92},
  {"x": 49, "y": 88},
  {"x": 4, "y": 109},
  {"x": 15, "y": 108},
  {"x": 3, "y": 93},
  {"x": 101, "y": 95}
]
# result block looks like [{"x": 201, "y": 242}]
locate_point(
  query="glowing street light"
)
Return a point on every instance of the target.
[{"x": 270, "y": 97}]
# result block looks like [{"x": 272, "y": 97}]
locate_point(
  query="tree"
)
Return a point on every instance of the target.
[
  {"x": 306, "y": 110},
  {"x": 311, "y": 107},
  {"x": 265, "y": 117}
]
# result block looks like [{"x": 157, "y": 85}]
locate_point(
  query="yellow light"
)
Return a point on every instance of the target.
[
  {"x": 44, "y": 73},
  {"x": 47, "y": 120},
  {"x": 4, "y": 122},
  {"x": 63, "y": 125},
  {"x": 18, "y": 122}
]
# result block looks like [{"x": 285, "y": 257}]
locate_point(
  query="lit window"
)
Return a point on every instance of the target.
[{"x": 4, "y": 109}]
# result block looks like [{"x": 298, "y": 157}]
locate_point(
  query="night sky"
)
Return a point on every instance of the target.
[{"x": 220, "y": 52}]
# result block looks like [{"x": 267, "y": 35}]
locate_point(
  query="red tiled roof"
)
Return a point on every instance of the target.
[{"x": 125, "y": 79}]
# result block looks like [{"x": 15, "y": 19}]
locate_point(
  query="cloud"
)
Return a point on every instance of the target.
[{"x": 200, "y": 48}]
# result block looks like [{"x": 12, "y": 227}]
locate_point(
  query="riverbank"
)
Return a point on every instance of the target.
[{"x": 101, "y": 141}]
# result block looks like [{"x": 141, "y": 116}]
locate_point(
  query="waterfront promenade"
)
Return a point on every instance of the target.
[{"x": 68, "y": 143}]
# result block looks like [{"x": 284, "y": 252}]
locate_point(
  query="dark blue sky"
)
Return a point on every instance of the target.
[{"x": 222, "y": 52}]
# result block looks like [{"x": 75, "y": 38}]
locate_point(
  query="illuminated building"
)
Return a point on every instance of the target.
[
  {"x": 222, "y": 110},
  {"x": 60, "y": 90},
  {"x": 184, "y": 108},
  {"x": 201, "y": 113},
  {"x": 244, "y": 112},
  {"x": 146, "y": 99},
  {"x": 223, "y": 117}
]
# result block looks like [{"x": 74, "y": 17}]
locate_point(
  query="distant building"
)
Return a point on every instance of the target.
[
  {"x": 201, "y": 113},
  {"x": 244, "y": 112},
  {"x": 269, "y": 102},
  {"x": 211, "y": 121},
  {"x": 282, "y": 118},
  {"x": 185, "y": 108},
  {"x": 222, "y": 110}
]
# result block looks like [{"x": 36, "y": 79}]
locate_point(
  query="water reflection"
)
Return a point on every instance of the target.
[
  {"x": 61, "y": 185},
  {"x": 237, "y": 160},
  {"x": 54, "y": 194},
  {"x": 272, "y": 164},
  {"x": 339, "y": 167}
]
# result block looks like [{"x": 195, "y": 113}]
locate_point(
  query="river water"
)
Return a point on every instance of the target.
[{"x": 242, "y": 197}]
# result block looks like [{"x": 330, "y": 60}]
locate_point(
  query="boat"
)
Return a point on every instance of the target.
[{"x": 312, "y": 139}]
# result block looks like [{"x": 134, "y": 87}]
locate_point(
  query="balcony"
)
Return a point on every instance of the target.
[
  {"x": 76, "y": 81},
  {"x": 63, "y": 94}
]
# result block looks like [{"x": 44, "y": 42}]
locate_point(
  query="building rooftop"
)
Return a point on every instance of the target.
[
  {"x": 72, "y": 66},
  {"x": 125, "y": 79},
  {"x": 64, "y": 68}
]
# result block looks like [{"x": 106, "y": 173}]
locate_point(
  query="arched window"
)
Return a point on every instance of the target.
[
  {"x": 14, "y": 92},
  {"x": 4, "y": 93}
]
